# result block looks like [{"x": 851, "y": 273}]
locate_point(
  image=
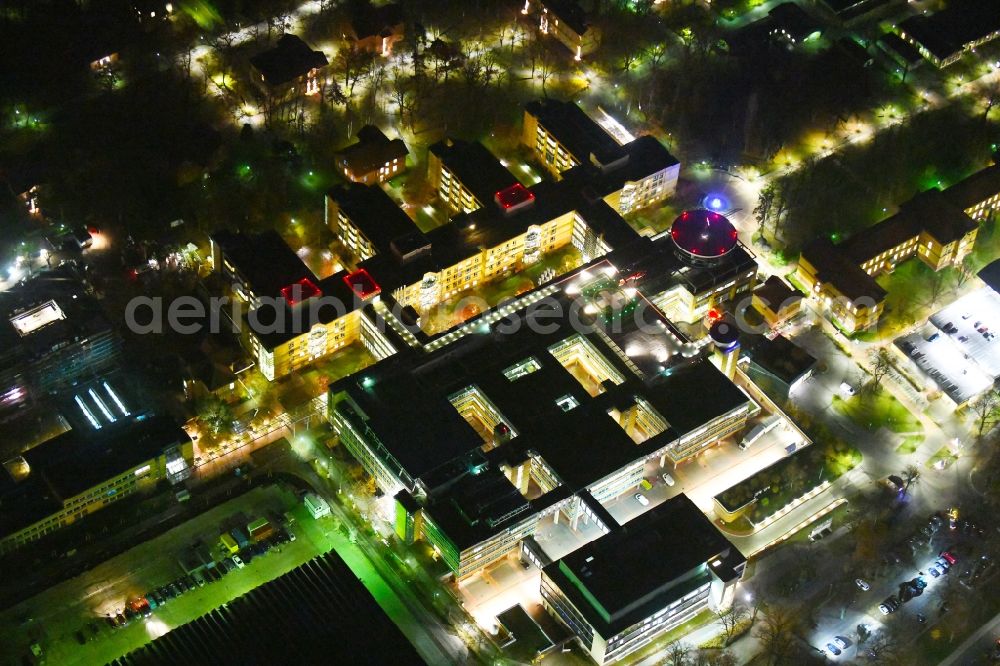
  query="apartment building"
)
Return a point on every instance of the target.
[
  {"x": 938, "y": 227},
  {"x": 562, "y": 136},
  {"x": 465, "y": 175},
  {"x": 373, "y": 159},
  {"x": 289, "y": 317}
]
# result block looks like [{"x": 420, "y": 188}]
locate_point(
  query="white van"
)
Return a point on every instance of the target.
[{"x": 759, "y": 430}]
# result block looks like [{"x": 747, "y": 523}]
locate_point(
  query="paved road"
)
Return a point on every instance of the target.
[{"x": 971, "y": 651}]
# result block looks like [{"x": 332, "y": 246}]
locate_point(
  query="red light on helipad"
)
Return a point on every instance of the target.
[
  {"x": 300, "y": 291},
  {"x": 513, "y": 197},
  {"x": 362, "y": 284}
]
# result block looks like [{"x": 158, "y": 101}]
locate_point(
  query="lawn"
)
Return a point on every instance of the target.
[
  {"x": 872, "y": 411},
  {"x": 942, "y": 459},
  {"x": 909, "y": 445},
  {"x": 677, "y": 633}
]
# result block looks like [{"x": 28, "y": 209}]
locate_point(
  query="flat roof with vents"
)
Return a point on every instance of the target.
[{"x": 28, "y": 322}]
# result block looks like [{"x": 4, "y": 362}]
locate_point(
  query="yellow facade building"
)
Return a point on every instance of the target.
[{"x": 841, "y": 278}]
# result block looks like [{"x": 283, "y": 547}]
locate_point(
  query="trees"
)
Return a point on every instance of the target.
[
  {"x": 730, "y": 618},
  {"x": 986, "y": 411},
  {"x": 353, "y": 65},
  {"x": 776, "y": 634},
  {"x": 910, "y": 476},
  {"x": 881, "y": 364},
  {"x": 216, "y": 414},
  {"x": 677, "y": 654},
  {"x": 883, "y": 648}
]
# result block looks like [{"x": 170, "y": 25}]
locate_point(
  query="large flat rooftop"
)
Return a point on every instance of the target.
[{"x": 630, "y": 573}]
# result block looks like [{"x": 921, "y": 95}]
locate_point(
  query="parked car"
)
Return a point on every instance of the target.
[
  {"x": 834, "y": 650},
  {"x": 862, "y": 585},
  {"x": 889, "y": 605},
  {"x": 933, "y": 572},
  {"x": 669, "y": 480},
  {"x": 238, "y": 561},
  {"x": 841, "y": 642},
  {"x": 641, "y": 499}
]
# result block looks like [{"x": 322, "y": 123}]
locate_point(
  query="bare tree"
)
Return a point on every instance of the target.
[
  {"x": 935, "y": 286},
  {"x": 987, "y": 412},
  {"x": 677, "y": 654},
  {"x": 883, "y": 648},
  {"x": 776, "y": 634},
  {"x": 546, "y": 68},
  {"x": 910, "y": 476},
  {"x": 354, "y": 65},
  {"x": 881, "y": 365},
  {"x": 730, "y": 618}
]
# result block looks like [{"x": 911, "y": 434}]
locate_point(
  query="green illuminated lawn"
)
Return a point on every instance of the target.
[
  {"x": 944, "y": 457},
  {"x": 910, "y": 444},
  {"x": 879, "y": 410},
  {"x": 677, "y": 633}
]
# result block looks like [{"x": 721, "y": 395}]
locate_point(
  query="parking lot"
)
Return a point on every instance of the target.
[
  {"x": 69, "y": 621},
  {"x": 908, "y": 593},
  {"x": 957, "y": 349}
]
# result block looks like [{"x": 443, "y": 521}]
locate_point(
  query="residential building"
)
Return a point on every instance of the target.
[
  {"x": 290, "y": 69},
  {"x": 465, "y": 175},
  {"x": 375, "y": 29},
  {"x": 374, "y": 158},
  {"x": 562, "y": 137},
  {"x": 290, "y": 317},
  {"x": 979, "y": 194},
  {"x": 852, "y": 12},
  {"x": 110, "y": 454},
  {"x": 942, "y": 37},
  {"x": 620, "y": 592},
  {"x": 365, "y": 219},
  {"x": 566, "y": 21},
  {"x": 776, "y": 302},
  {"x": 935, "y": 226}
]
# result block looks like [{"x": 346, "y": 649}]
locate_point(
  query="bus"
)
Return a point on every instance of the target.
[{"x": 759, "y": 430}]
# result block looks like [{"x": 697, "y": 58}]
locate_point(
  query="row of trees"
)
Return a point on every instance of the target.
[{"x": 851, "y": 189}]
